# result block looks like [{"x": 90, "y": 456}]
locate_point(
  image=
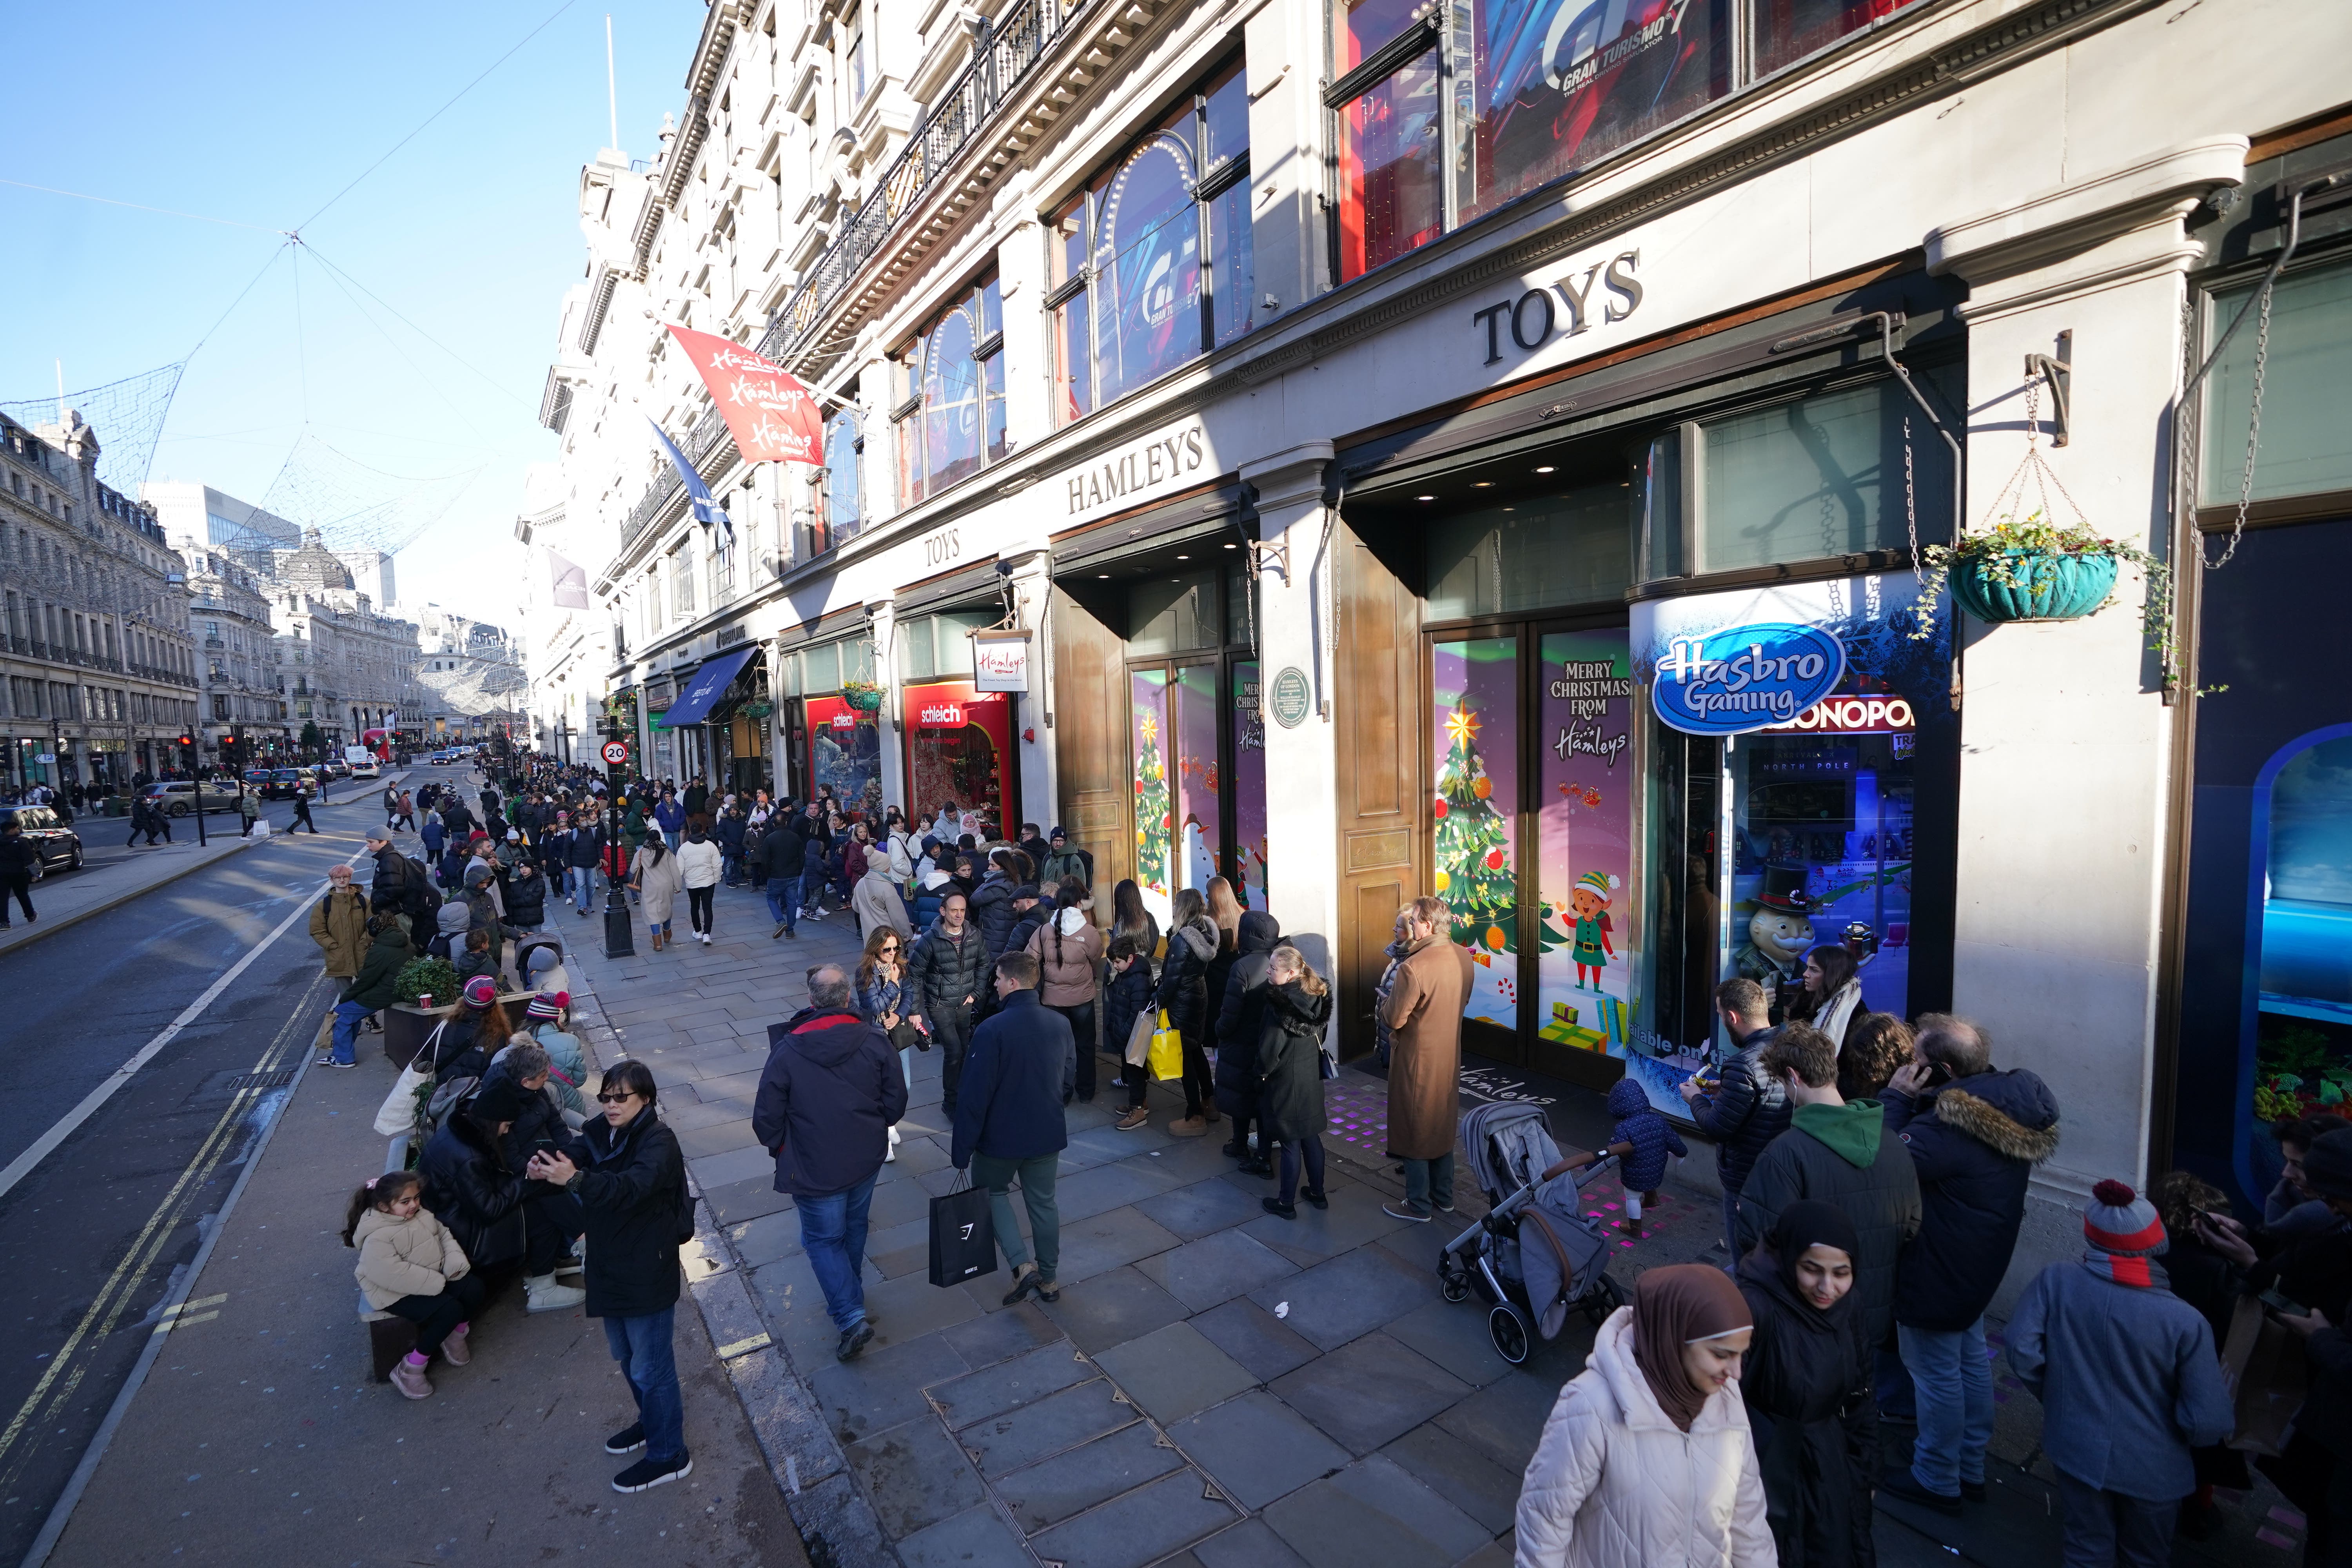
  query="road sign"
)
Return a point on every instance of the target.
[
  {"x": 46, "y": 757},
  {"x": 615, "y": 752}
]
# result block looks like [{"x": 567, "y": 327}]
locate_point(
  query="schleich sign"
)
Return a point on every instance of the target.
[{"x": 1745, "y": 678}]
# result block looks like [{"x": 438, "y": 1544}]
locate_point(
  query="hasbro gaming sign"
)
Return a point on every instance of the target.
[{"x": 1745, "y": 677}]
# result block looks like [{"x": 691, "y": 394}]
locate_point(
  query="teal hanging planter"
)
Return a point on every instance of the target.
[{"x": 2032, "y": 585}]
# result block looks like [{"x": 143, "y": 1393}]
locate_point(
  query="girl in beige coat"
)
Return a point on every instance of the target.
[
  {"x": 1646, "y": 1462},
  {"x": 412, "y": 1267},
  {"x": 657, "y": 879}
]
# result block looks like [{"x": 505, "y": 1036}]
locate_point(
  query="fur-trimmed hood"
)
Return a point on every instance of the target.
[{"x": 2013, "y": 1113}]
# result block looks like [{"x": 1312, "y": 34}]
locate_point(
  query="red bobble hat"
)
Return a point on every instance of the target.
[{"x": 2120, "y": 1222}]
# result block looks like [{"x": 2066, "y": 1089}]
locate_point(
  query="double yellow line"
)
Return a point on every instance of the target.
[{"x": 68, "y": 1366}]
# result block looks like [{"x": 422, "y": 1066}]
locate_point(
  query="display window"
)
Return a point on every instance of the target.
[
  {"x": 1249, "y": 785},
  {"x": 1583, "y": 813},
  {"x": 960, "y": 749},
  {"x": 1474, "y": 815},
  {"x": 844, "y": 751},
  {"x": 1155, "y": 860}
]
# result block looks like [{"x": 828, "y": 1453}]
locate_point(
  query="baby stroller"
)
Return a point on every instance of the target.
[{"x": 1536, "y": 1254}]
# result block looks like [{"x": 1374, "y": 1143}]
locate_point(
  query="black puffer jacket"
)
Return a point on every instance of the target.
[
  {"x": 631, "y": 1190},
  {"x": 1748, "y": 1109},
  {"x": 1290, "y": 1058},
  {"x": 992, "y": 912},
  {"x": 1183, "y": 981},
  {"x": 1126, "y": 998},
  {"x": 945, "y": 969},
  {"x": 1974, "y": 1145},
  {"x": 1241, "y": 1009},
  {"x": 782, "y": 851},
  {"x": 470, "y": 1188},
  {"x": 1806, "y": 1381},
  {"x": 1214, "y": 976},
  {"x": 1844, "y": 1156},
  {"x": 527, "y": 896}
]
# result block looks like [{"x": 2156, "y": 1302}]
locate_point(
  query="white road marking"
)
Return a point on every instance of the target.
[{"x": 24, "y": 1164}]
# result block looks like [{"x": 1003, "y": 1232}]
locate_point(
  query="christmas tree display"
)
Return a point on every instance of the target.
[
  {"x": 1474, "y": 864},
  {"x": 1152, "y": 812}
]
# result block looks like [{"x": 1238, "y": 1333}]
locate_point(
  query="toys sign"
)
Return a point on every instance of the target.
[{"x": 1745, "y": 678}]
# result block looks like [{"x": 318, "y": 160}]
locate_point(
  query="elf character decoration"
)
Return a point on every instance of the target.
[{"x": 1593, "y": 948}]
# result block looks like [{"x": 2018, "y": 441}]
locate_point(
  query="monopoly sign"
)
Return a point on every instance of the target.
[{"x": 1745, "y": 678}]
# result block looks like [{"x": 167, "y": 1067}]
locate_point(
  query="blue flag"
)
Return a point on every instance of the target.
[{"x": 707, "y": 510}]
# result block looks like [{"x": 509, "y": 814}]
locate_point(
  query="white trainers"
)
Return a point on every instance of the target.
[
  {"x": 543, "y": 1294},
  {"x": 892, "y": 1152}
]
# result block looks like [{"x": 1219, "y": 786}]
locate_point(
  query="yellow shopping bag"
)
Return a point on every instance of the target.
[{"x": 1167, "y": 1051}]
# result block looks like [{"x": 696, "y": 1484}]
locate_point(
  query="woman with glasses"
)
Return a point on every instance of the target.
[
  {"x": 627, "y": 1170},
  {"x": 877, "y": 990}
]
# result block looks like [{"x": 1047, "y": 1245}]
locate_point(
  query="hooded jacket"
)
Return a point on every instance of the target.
[
  {"x": 781, "y": 851},
  {"x": 827, "y": 1098},
  {"x": 1183, "y": 981},
  {"x": 1241, "y": 1012},
  {"x": 1806, "y": 1384},
  {"x": 1069, "y": 964},
  {"x": 1748, "y": 1109},
  {"x": 527, "y": 896},
  {"x": 1636, "y": 1122},
  {"x": 412, "y": 1256},
  {"x": 1842, "y": 1155},
  {"x": 470, "y": 1188},
  {"x": 450, "y": 940},
  {"x": 1614, "y": 1481},
  {"x": 374, "y": 987},
  {"x": 992, "y": 912},
  {"x": 1974, "y": 1146},
  {"x": 1125, "y": 998},
  {"x": 339, "y": 925},
  {"x": 878, "y": 904},
  {"x": 1289, "y": 1055}
]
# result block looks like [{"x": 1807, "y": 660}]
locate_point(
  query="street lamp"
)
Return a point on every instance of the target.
[{"x": 619, "y": 941}]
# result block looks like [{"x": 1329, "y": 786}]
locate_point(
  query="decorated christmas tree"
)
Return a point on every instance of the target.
[
  {"x": 1152, "y": 815},
  {"x": 1473, "y": 862}
]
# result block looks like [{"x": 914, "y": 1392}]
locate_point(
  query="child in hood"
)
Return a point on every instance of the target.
[{"x": 1642, "y": 1141}]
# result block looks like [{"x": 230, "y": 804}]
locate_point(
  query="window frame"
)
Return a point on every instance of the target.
[{"x": 910, "y": 374}]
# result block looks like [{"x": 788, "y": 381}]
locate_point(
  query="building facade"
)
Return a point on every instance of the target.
[
  {"x": 100, "y": 676},
  {"x": 350, "y": 668},
  {"x": 470, "y": 681},
  {"x": 241, "y": 703},
  {"x": 1519, "y": 433}
]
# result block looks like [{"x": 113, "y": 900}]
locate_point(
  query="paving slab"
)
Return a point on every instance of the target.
[
  {"x": 1216, "y": 1267},
  {"x": 976, "y": 1538},
  {"x": 1203, "y": 1208},
  {"x": 1068, "y": 1483},
  {"x": 1370, "y": 1392},
  {"x": 884, "y": 1387},
  {"x": 1258, "y": 1448},
  {"x": 915, "y": 1476},
  {"x": 1112, "y": 1309},
  {"x": 1020, "y": 1436},
  {"x": 1008, "y": 1386},
  {"x": 1464, "y": 1477},
  {"x": 1140, "y": 1526},
  {"x": 1255, "y": 1338},
  {"x": 1175, "y": 1372},
  {"x": 1352, "y": 1294}
]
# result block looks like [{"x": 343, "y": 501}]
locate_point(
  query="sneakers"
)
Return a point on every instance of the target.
[
  {"x": 1275, "y": 1206},
  {"x": 1443, "y": 1205},
  {"x": 1023, "y": 1277},
  {"x": 705, "y": 936},
  {"x": 1903, "y": 1484},
  {"x": 854, "y": 1341},
  {"x": 331, "y": 1062},
  {"x": 409, "y": 1378},
  {"x": 1398, "y": 1211},
  {"x": 778, "y": 933},
  {"x": 648, "y": 1474},
  {"x": 454, "y": 1348},
  {"x": 1138, "y": 1117},
  {"x": 1189, "y": 1127},
  {"x": 543, "y": 1294},
  {"x": 1258, "y": 1167},
  {"x": 627, "y": 1440},
  {"x": 891, "y": 1155}
]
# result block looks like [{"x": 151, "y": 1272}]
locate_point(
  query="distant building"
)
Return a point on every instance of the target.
[
  {"x": 197, "y": 511},
  {"x": 242, "y": 708},
  {"x": 471, "y": 681},
  {"x": 349, "y": 666}
]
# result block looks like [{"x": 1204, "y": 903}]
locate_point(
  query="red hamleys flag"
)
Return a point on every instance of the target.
[{"x": 771, "y": 416}]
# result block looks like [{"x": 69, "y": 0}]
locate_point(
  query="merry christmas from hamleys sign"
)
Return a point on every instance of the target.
[{"x": 771, "y": 414}]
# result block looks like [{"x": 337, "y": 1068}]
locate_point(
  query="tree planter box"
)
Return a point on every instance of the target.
[
  {"x": 406, "y": 1029},
  {"x": 2048, "y": 587}
]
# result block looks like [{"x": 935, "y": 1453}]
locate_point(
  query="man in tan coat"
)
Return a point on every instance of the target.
[
  {"x": 1424, "y": 1016},
  {"x": 339, "y": 925}
]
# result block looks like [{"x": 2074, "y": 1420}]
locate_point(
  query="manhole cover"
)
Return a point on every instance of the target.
[{"x": 278, "y": 1079}]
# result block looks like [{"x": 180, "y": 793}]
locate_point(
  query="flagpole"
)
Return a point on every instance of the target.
[{"x": 612, "y": 96}]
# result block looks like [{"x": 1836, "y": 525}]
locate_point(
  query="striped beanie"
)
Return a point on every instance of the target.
[
  {"x": 481, "y": 993},
  {"x": 2120, "y": 1222},
  {"x": 549, "y": 1004}
]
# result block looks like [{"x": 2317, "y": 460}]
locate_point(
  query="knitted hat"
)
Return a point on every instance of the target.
[
  {"x": 2119, "y": 1221},
  {"x": 481, "y": 993},
  {"x": 2327, "y": 1164},
  {"x": 478, "y": 873},
  {"x": 547, "y": 1004},
  {"x": 1597, "y": 883},
  {"x": 1058, "y": 835},
  {"x": 513, "y": 834}
]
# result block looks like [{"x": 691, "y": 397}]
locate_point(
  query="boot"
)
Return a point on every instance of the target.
[
  {"x": 409, "y": 1378},
  {"x": 543, "y": 1294},
  {"x": 454, "y": 1348}
]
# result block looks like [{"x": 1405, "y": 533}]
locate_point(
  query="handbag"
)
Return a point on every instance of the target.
[
  {"x": 1167, "y": 1058},
  {"x": 397, "y": 1116},
  {"x": 2263, "y": 1367},
  {"x": 1138, "y": 1039},
  {"x": 906, "y": 1037},
  {"x": 964, "y": 1238}
]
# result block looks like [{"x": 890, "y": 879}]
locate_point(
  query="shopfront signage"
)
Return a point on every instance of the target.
[
  {"x": 1289, "y": 697},
  {"x": 1000, "y": 661},
  {"x": 1592, "y": 293},
  {"x": 844, "y": 721},
  {"x": 1159, "y": 464},
  {"x": 1743, "y": 678},
  {"x": 1852, "y": 713},
  {"x": 943, "y": 548}
]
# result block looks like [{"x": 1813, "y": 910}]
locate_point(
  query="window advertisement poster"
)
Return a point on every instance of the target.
[
  {"x": 1198, "y": 782},
  {"x": 1148, "y": 739},
  {"x": 1584, "y": 815},
  {"x": 958, "y": 740},
  {"x": 1816, "y": 692},
  {"x": 1249, "y": 785},
  {"x": 1474, "y": 686},
  {"x": 845, "y": 751},
  {"x": 1562, "y": 84}
]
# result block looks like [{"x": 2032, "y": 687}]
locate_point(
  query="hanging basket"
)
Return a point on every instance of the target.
[
  {"x": 864, "y": 699},
  {"x": 2032, "y": 585}
]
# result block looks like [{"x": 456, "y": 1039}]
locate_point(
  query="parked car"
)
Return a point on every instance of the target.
[
  {"x": 366, "y": 770},
  {"x": 284, "y": 784},
  {"x": 177, "y": 797},
  {"x": 59, "y": 847}
]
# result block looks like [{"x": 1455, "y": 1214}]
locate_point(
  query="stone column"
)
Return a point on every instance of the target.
[
  {"x": 1032, "y": 750},
  {"x": 891, "y": 721},
  {"x": 1301, "y": 759},
  {"x": 2067, "y": 772}
]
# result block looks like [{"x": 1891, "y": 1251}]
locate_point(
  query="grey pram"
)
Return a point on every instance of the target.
[{"x": 1535, "y": 1255}]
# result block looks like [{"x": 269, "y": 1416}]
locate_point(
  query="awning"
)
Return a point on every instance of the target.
[{"x": 705, "y": 687}]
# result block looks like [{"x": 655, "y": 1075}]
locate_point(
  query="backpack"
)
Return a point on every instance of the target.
[{"x": 420, "y": 899}]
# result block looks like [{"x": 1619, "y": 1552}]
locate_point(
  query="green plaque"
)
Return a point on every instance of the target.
[{"x": 1289, "y": 697}]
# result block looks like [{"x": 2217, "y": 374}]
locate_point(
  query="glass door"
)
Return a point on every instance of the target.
[
  {"x": 1197, "y": 758},
  {"x": 1475, "y": 828}
]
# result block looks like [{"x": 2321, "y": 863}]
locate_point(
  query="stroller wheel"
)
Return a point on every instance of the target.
[
  {"x": 1453, "y": 1287},
  {"x": 1513, "y": 1335},
  {"x": 1605, "y": 1297}
]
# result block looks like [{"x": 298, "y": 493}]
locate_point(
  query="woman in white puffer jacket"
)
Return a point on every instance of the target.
[{"x": 1646, "y": 1462}]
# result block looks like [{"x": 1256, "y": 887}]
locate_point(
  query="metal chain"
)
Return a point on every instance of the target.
[
  {"x": 2253, "y": 439},
  {"x": 1910, "y": 496}
]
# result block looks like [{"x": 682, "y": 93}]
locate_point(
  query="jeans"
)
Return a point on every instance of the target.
[
  {"x": 1426, "y": 1178},
  {"x": 642, "y": 1346},
  {"x": 1200, "y": 1080},
  {"x": 832, "y": 1234},
  {"x": 671, "y": 839},
  {"x": 783, "y": 904},
  {"x": 435, "y": 1316},
  {"x": 348, "y": 1017},
  {"x": 730, "y": 867},
  {"x": 584, "y": 886},
  {"x": 2108, "y": 1530},
  {"x": 951, "y": 1035},
  {"x": 698, "y": 908},
  {"x": 1953, "y": 1384},
  {"x": 1036, "y": 1178},
  {"x": 1309, "y": 1148},
  {"x": 1082, "y": 1026}
]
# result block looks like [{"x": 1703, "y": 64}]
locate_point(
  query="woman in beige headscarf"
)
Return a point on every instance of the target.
[{"x": 1646, "y": 1461}]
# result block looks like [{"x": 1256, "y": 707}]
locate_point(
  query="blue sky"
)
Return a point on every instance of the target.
[{"x": 259, "y": 114}]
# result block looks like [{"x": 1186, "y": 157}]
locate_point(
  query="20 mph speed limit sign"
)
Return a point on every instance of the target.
[{"x": 615, "y": 752}]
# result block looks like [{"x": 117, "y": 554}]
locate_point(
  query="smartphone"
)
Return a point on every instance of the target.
[{"x": 2282, "y": 1306}]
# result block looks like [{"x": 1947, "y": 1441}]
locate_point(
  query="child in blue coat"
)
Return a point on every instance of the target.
[{"x": 1641, "y": 1139}]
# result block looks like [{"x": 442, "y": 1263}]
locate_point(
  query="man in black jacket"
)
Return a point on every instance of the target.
[
  {"x": 1974, "y": 1143},
  {"x": 1009, "y": 1124},
  {"x": 582, "y": 852},
  {"x": 1240, "y": 1013},
  {"x": 782, "y": 854},
  {"x": 1749, "y": 1107},
  {"x": 944, "y": 978},
  {"x": 828, "y": 1096}
]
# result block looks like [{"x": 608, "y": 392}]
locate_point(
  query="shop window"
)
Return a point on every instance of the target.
[
  {"x": 1151, "y": 265},
  {"x": 822, "y": 667},
  {"x": 950, "y": 387},
  {"x": 960, "y": 749},
  {"x": 1155, "y": 869},
  {"x": 1475, "y": 729},
  {"x": 936, "y": 646},
  {"x": 1570, "y": 549},
  {"x": 843, "y": 512},
  {"x": 1391, "y": 161},
  {"x": 1249, "y": 856},
  {"x": 1174, "y": 614},
  {"x": 1782, "y": 31},
  {"x": 2306, "y": 384}
]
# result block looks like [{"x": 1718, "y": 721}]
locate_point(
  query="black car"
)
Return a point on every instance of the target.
[{"x": 60, "y": 846}]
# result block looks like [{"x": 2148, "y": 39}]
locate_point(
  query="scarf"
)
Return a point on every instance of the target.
[
  {"x": 2141, "y": 1271},
  {"x": 1673, "y": 1307}
]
